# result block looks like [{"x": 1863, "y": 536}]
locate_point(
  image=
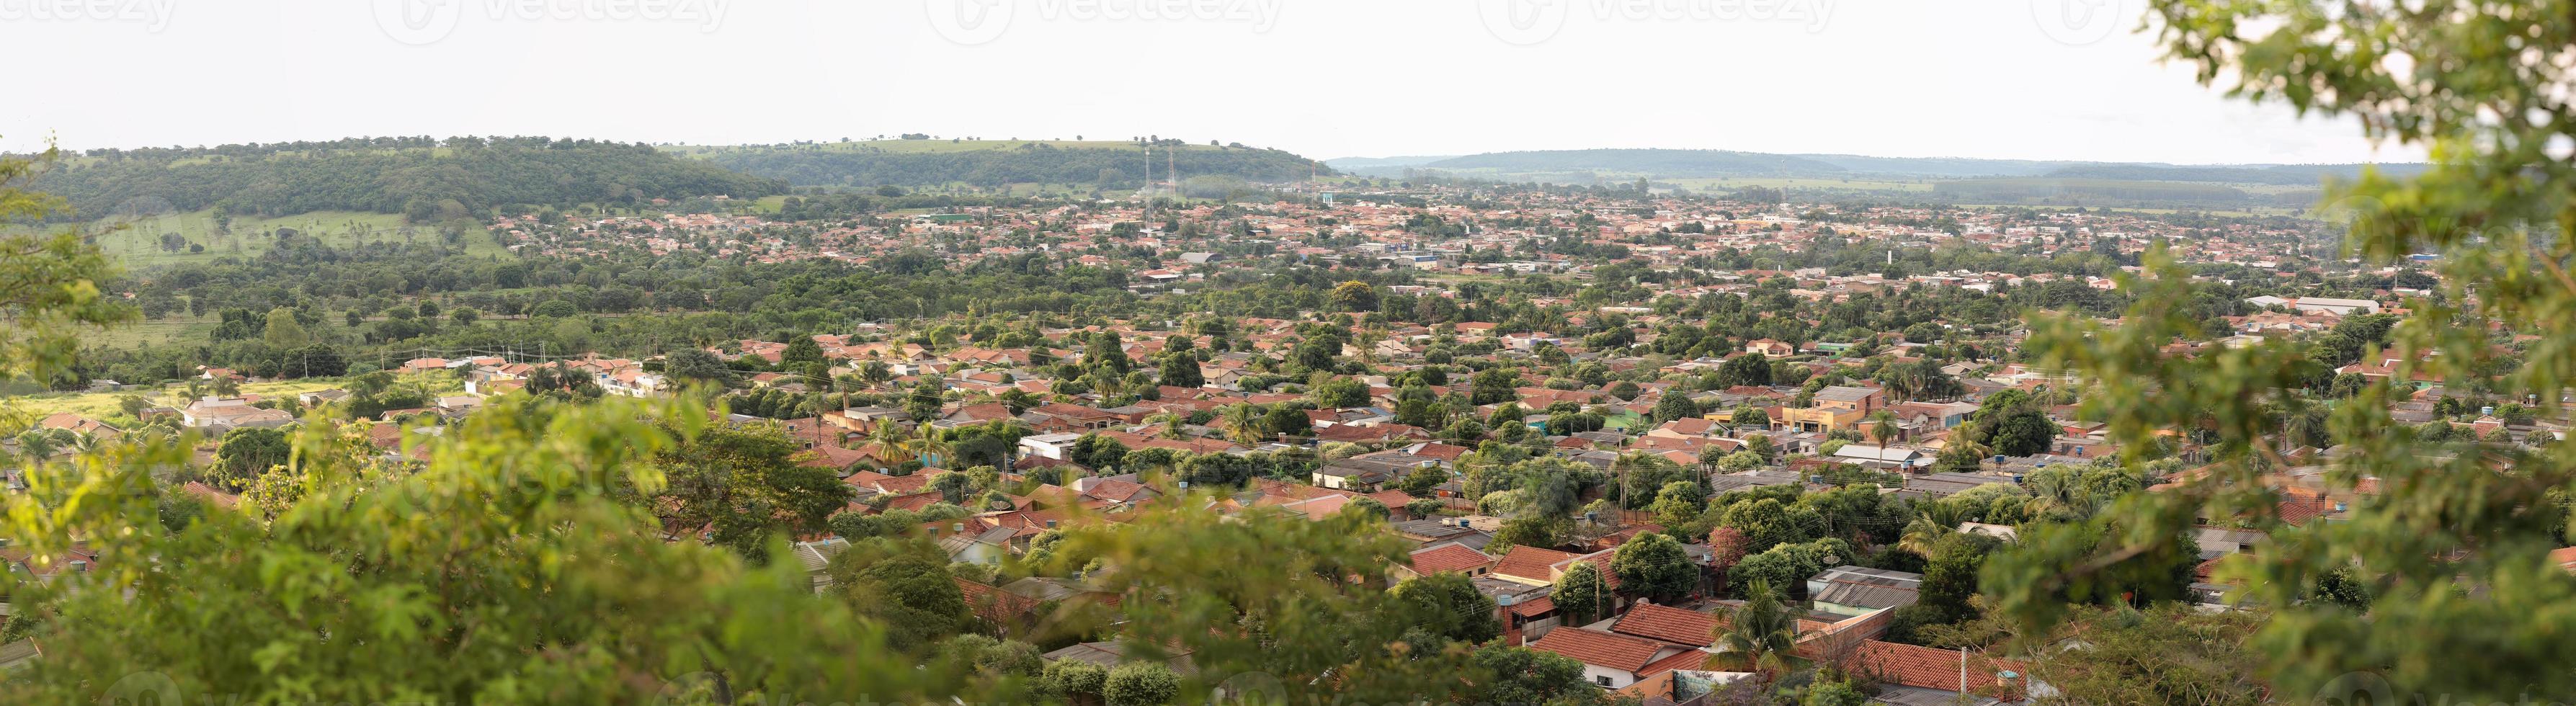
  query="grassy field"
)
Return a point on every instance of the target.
[
  {"x": 137, "y": 241},
  {"x": 103, "y": 406},
  {"x": 153, "y": 332}
]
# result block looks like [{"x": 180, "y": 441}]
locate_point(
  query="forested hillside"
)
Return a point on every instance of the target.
[
  {"x": 1005, "y": 162},
  {"x": 1660, "y": 163},
  {"x": 422, "y": 177}
]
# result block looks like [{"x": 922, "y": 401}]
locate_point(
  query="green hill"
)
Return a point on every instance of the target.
[
  {"x": 993, "y": 163},
  {"x": 421, "y": 177},
  {"x": 1662, "y": 164}
]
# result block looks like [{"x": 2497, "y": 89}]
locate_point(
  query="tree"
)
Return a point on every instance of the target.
[
  {"x": 1653, "y": 566},
  {"x": 1833, "y": 693},
  {"x": 2166, "y": 654},
  {"x": 2024, "y": 432},
  {"x": 1950, "y": 578},
  {"x": 1181, "y": 370},
  {"x": 283, "y": 332},
  {"x": 743, "y": 486},
  {"x": 1753, "y": 369},
  {"x": 1582, "y": 594},
  {"x": 1140, "y": 684},
  {"x": 1520, "y": 675},
  {"x": 1355, "y": 296},
  {"x": 498, "y": 515},
  {"x": 1674, "y": 406},
  {"x": 1679, "y": 503},
  {"x": 696, "y": 365},
  {"x": 1762, "y": 632},
  {"x": 906, "y": 584},
  {"x": 801, "y": 350},
  {"x": 245, "y": 453},
  {"x": 1367, "y": 507},
  {"x": 49, "y": 282},
  {"x": 1448, "y": 605},
  {"x": 1066, "y": 679}
]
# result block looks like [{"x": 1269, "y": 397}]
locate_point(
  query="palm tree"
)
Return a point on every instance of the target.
[
  {"x": 928, "y": 442},
  {"x": 1764, "y": 630},
  {"x": 1924, "y": 533},
  {"x": 1241, "y": 420},
  {"x": 1883, "y": 425}
]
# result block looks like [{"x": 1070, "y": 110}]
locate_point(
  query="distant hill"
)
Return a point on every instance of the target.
[
  {"x": 2287, "y": 175},
  {"x": 1582, "y": 165},
  {"x": 423, "y": 176},
  {"x": 1659, "y": 163},
  {"x": 992, "y": 163},
  {"x": 1936, "y": 166},
  {"x": 1370, "y": 164}
]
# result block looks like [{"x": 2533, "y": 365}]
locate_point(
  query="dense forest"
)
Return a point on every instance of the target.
[
  {"x": 424, "y": 178},
  {"x": 1029, "y": 162}
]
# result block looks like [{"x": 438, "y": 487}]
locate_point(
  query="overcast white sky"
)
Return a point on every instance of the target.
[{"x": 2034, "y": 79}]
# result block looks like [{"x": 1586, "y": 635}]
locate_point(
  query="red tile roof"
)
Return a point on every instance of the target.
[
  {"x": 1601, "y": 649},
  {"x": 1927, "y": 668},
  {"x": 1531, "y": 563},
  {"x": 1669, "y": 624},
  {"x": 1450, "y": 557}
]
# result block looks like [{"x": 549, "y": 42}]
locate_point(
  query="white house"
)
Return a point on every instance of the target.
[
  {"x": 1614, "y": 661},
  {"x": 1054, "y": 446}
]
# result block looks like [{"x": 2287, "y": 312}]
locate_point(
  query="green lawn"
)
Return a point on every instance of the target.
[
  {"x": 153, "y": 332},
  {"x": 137, "y": 241}
]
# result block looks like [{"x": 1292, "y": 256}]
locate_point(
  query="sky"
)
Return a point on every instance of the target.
[{"x": 2016, "y": 79}]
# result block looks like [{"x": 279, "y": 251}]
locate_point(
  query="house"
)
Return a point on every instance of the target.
[
  {"x": 970, "y": 543},
  {"x": 215, "y": 413},
  {"x": 1111, "y": 653},
  {"x": 1835, "y": 408},
  {"x": 1770, "y": 348},
  {"x": 1449, "y": 557},
  {"x": 80, "y": 425},
  {"x": 1366, "y": 472},
  {"x": 1878, "y": 457},
  {"x": 1614, "y": 661},
  {"x": 1668, "y": 624},
  {"x": 1055, "y": 446},
  {"x": 1860, "y": 590}
]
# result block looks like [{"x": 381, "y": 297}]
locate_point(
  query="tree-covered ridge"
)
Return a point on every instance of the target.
[
  {"x": 424, "y": 178},
  {"x": 1009, "y": 163}
]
